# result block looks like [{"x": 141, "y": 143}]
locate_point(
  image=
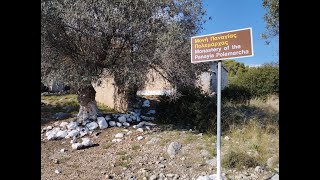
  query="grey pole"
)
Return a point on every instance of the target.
[{"x": 219, "y": 123}]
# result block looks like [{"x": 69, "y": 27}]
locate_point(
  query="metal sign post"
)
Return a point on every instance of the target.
[
  {"x": 219, "y": 122},
  {"x": 217, "y": 47}
]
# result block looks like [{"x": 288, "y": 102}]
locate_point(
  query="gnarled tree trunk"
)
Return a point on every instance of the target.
[{"x": 88, "y": 106}]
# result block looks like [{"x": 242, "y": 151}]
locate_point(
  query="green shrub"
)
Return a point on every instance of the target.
[
  {"x": 236, "y": 94},
  {"x": 238, "y": 159},
  {"x": 193, "y": 109},
  {"x": 260, "y": 81}
]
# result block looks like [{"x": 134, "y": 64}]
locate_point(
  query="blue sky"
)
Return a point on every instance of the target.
[{"x": 237, "y": 14}]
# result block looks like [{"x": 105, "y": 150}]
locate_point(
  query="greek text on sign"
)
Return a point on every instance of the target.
[{"x": 224, "y": 45}]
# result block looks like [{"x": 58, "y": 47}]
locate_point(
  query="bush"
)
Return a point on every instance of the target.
[
  {"x": 193, "y": 109},
  {"x": 238, "y": 159},
  {"x": 260, "y": 82},
  {"x": 236, "y": 94}
]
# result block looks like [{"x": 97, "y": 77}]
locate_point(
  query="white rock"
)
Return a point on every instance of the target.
[
  {"x": 74, "y": 140},
  {"x": 62, "y": 150},
  {"x": 108, "y": 118},
  {"x": 119, "y": 135},
  {"x": 129, "y": 132},
  {"x": 126, "y": 124},
  {"x": 92, "y": 125},
  {"x": 151, "y": 111},
  {"x": 86, "y": 142},
  {"x": 173, "y": 149},
  {"x": 119, "y": 124},
  {"x": 275, "y": 177},
  {"x": 147, "y": 118},
  {"x": 134, "y": 126},
  {"x": 140, "y": 129},
  {"x": 139, "y": 138},
  {"x": 146, "y": 103},
  {"x": 63, "y": 124},
  {"x": 226, "y": 138},
  {"x": 203, "y": 178},
  {"x": 141, "y": 124},
  {"x": 72, "y": 125},
  {"x": 76, "y": 146},
  {"x": 61, "y": 134},
  {"x": 51, "y": 136},
  {"x": 122, "y": 119},
  {"x": 72, "y": 134},
  {"x": 116, "y": 140},
  {"x": 129, "y": 119},
  {"x": 84, "y": 132},
  {"x": 149, "y": 124},
  {"x": 49, "y": 128},
  {"x": 102, "y": 123},
  {"x": 258, "y": 169},
  {"x": 112, "y": 123},
  {"x": 57, "y": 171},
  {"x": 148, "y": 128}
]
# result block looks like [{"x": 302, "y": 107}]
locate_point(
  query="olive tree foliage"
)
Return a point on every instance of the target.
[
  {"x": 271, "y": 18},
  {"x": 84, "y": 40}
]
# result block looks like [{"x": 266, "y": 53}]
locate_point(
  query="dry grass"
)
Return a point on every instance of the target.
[{"x": 255, "y": 137}]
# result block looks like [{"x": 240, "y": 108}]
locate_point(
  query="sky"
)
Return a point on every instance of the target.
[{"x": 235, "y": 14}]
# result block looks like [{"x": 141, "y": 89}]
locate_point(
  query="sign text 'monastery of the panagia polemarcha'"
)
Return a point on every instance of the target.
[{"x": 224, "y": 45}]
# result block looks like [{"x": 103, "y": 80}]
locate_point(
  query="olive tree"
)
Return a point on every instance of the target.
[{"x": 83, "y": 41}]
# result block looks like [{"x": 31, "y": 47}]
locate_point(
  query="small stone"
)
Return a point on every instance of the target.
[
  {"x": 183, "y": 158},
  {"x": 226, "y": 138},
  {"x": 125, "y": 130},
  {"x": 63, "y": 124},
  {"x": 129, "y": 132},
  {"x": 72, "y": 125},
  {"x": 119, "y": 124},
  {"x": 122, "y": 119},
  {"x": 57, "y": 171},
  {"x": 76, "y": 146},
  {"x": 102, "y": 122},
  {"x": 162, "y": 166},
  {"x": 275, "y": 177},
  {"x": 146, "y": 103},
  {"x": 112, "y": 123},
  {"x": 61, "y": 134},
  {"x": 153, "y": 177},
  {"x": 140, "y": 129},
  {"x": 49, "y": 128},
  {"x": 139, "y": 138},
  {"x": 92, "y": 125},
  {"x": 119, "y": 135},
  {"x": 173, "y": 149},
  {"x": 126, "y": 124},
  {"x": 56, "y": 161},
  {"x": 72, "y": 133},
  {"x": 86, "y": 142},
  {"x": 169, "y": 175},
  {"x": 74, "y": 140},
  {"x": 161, "y": 158},
  {"x": 258, "y": 169},
  {"x": 151, "y": 111},
  {"x": 62, "y": 150},
  {"x": 276, "y": 169},
  {"x": 116, "y": 140}
]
